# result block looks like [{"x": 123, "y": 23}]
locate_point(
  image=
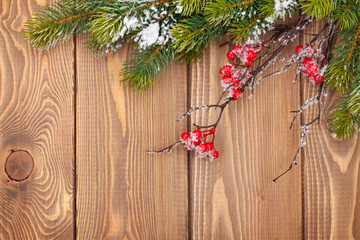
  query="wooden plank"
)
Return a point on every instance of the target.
[
  {"x": 123, "y": 192},
  {"x": 331, "y": 177},
  {"x": 36, "y": 129},
  {"x": 235, "y": 197}
]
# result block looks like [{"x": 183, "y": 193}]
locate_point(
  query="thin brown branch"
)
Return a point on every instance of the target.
[
  {"x": 167, "y": 149},
  {"x": 305, "y": 127}
]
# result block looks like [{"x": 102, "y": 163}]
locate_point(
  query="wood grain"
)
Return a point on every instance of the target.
[
  {"x": 37, "y": 116},
  {"x": 123, "y": 192},
  {"x": 235, "y": 197},
  {"x": 331, "y": 177}
]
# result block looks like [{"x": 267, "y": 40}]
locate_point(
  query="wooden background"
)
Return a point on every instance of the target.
[{"x": 92, "y": 177}]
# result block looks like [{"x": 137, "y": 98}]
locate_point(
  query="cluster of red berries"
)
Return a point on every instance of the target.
[
  {"x": 230, "y": 76},
  {"x": 196, "y": 140},
  {"x": 310, "y": 67},
  {"x": 246, "y": 53}
]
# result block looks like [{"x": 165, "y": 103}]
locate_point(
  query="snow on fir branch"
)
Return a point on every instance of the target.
[{"x": 164, "y": 31}]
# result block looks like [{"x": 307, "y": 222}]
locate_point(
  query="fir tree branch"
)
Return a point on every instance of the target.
[
  {"x": 123, "y": 20},
  {"x": 318, "y": 9},
  {"x": 244, "y": 29},
  {"x": 144, "y": 66},
  {"x": 191, "y": 7},
  {"x": 193, "y": 35},
  {"x": 143, "y": 6},
  {"x": 226, "y": 11},
  {"x": 57, "y": 23},
  {"x": 346, "y": 15},
  {"x": 344, "y": 66},
  {"x": 343, "y": 123}
]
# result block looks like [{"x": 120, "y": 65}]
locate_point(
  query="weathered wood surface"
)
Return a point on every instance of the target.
[
  {"x": 37, "y": 117},
  {"x": 235, "y": 197},
  {"x": 123, "y": 192},
  {"x": 331, "y": 178},
  {"x": 91, "y": 177}
]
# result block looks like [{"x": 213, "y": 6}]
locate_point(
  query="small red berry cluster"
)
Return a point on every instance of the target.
[
  {"x": 309, "y": 66},
  {"x": 196, "y": 140},
  {"x": 246, "y": 53},
  {"x": 231, "y": 75}
]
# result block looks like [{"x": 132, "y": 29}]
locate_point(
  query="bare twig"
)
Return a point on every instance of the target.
[
  {"x": 315, "y": 99},
  {"x": 282, "y": 37},
  {"x": 306, "y": 104},
  {"x": 304, "y": 132},
  {"x": 167, "y": 149},
  {"x": 193, "y": 109}
]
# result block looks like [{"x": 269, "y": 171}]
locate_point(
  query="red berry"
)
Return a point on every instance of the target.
[
  {"x": 250, "y": 55},
  {"x": 234, "y": 80},
  {"x": 237, "y": 48},
  {"x": 235, "y": 93},
  {"x": 212, "y": 131},
  {"x": 313, "y": 68},
  {"x": 318, "y": 79},
  {"x": 248, "y": 63},
  {"x": 197, "y": 134},
  {"x": 307, "y": 61},
  {"x": 196, "y": 142},
  {"x": 214, "y": 154},
  {"x": 230, "y": 55},
  {"x": 227, "y": 70},
  {"x": 209, "y": 146},
  {"x": 202, "y": 148},
  {"x": 261, "y": 48},
  {"x": 304, "y": 71},
  {"x": 310, "y": 49},
  {"x": 226, "y": 79},
  {"x": 185, "y": 136},
  {"x": 298, "y": 48}
]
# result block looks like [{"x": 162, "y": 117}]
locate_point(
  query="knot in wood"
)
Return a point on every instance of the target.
[{"x": 19, "y": 165}]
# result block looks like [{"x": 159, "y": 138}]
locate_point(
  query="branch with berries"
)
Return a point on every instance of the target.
[
  {"x": 237, "y": 77},
  {"x": 165, "y": 31}
]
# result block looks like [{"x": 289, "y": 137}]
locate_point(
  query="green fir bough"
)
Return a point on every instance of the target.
[{"x": 164, "y": 31}]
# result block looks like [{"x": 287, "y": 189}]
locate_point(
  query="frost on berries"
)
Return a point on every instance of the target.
[
  {"x": 233, "y": 77},
  {"x": 197, "y": 141},
  {"x": 245, "y": 53},
  {"x": 312, "y": 64}
]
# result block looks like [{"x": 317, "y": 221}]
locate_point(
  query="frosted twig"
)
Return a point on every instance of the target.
[
  {"x": 214, "y": 125},
  {"x": 167, "y": 149},
  {"x": 193, "y": 109},
  {"x": 306, "y": 104},
  {"x": 322, "y": 41},
  {"x": 298, "y": 70},
  {"x": 284, "y": 69},
  {"x": 285, "y": 35},
  {"x": 304, "y": 132},
  {"x": 305, "y": 128}
]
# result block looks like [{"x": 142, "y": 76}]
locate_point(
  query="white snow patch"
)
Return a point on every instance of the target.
[
  {"x": 281, "y": 8},
  {"x": 148, "y": 36}
]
